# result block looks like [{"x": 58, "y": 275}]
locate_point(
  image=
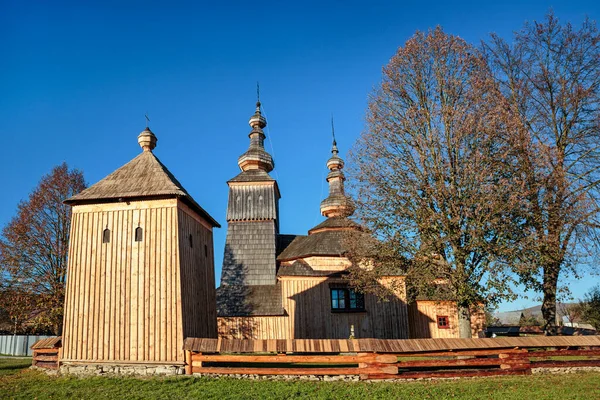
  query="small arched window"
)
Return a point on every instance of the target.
[
  {"x": 205, "y": 251},
  {"x": 139, "y": 234},
  {"x": 191, "y": 240},
  {"x": 106, "y": 236}
]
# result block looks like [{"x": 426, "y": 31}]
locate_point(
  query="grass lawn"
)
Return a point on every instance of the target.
[{"x": 18, "y": 382}]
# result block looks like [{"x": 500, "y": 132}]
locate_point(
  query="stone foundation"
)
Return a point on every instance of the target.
[
  {"x": 121, "y": 370},
  {"x": 563, "y": 370}
]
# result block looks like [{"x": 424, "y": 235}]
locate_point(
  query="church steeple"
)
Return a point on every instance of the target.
[
  {"x": 256, "y": 157},
  {"x": 147, "y": 140},
  {"x": 337, "y": 204}
]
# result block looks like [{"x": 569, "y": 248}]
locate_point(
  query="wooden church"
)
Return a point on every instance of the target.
[
  {"x": 141, "y": 267},
  {"x": 278, "y": 286}
]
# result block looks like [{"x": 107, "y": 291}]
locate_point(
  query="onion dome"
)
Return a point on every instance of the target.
[
  {"x": 147, "y": 140},
  {"x": 337, "y": 204},
  {"x": 256, "y": 157}
]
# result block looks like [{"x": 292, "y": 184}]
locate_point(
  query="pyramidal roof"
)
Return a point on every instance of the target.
[{"x": 144, "y": 176}]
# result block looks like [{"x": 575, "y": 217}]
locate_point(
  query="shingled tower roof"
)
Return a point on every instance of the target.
[
  {"x": 143, "y": 177},
  {"x": 248, "y": 277}
]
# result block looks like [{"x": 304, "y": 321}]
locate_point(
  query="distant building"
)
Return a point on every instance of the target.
[
  {"x": 278, "y": 286},
  {"x": 141, "y": 267}
]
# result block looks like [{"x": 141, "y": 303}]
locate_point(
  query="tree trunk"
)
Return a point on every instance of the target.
[
  {"x": 464, "y": 322},
  {"x": 549, "y": 304}
]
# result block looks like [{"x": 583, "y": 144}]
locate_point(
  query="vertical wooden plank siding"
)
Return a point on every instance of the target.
[
  {"x": 307, "y": 302},
  {"x": 125, "y": 300},
  {"x": 423, "y": 319},
  {"x": 198, "y": 295}
]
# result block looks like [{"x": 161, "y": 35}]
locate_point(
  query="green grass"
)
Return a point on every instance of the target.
[{"x": 19, "y": 383}]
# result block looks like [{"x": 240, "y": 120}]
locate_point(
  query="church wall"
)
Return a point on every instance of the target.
[
  {"x": 308, "y": 302},
  {"x": 123, "y": 300},
  {"x": 264, "y": 327},
  {"x": 423, "y": 319},
  {"x": 321, "y": 263},
  {"x": 197, "y": 275}
]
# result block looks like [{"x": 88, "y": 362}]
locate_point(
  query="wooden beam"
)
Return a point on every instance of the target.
[
  {"x": 45, "y": 358},
  {"x": 446, "y": 374},
  {"x": 294, "y": 371},
  {"x": 47, "y": 351},
  {"x": 369, "y": 358},
  {"x": 188, "y": 362}
]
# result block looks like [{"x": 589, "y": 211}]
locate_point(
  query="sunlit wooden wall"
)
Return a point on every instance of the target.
[{"x": 125, "y": 299}]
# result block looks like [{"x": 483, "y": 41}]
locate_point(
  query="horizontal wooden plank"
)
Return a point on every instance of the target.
[
  {"x": 471, "y": 362},
  {"x": 46, "y": 358},
  {"x": 45, "y": 351},
  {"x": 408, "y": 346},
  {"x": 294, "y": 371},
  {"x": 330, "y": 359},
  {"x": 446, "y": 374},
  {"x": 47, "y": 365}
]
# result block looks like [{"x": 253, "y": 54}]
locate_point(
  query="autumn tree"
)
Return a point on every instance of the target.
[
  {"x": 34, "y": 245},
  {"x": 19, "y": 306},
  {"x": 431, "y": 175},
  {"x": 551, "y": 75}
]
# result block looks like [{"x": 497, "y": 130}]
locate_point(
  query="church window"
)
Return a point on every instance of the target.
[
  {"x": 191, "y": 240},
  {"x": 106, "y": 236},
  {"x": 345, "y": 299},
  {"x": 442, "y": 322},
  {"x": 205, "y": 251},
  {"x": 139, "y": 234}
]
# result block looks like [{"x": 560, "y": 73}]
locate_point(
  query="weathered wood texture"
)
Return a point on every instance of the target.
[
  {"x": 275, "y": 327},
  {"x": 46, "y": 358},
  {"x": 307, "y": 301},
  {"x": 197, "y": 277},
  {"x": 422, "y": 319},
  {"x": 48, "y": 343},
  {"x": 440, "y": 357},
  {"x": 406, "y": 347},
  {"x": 124, "y": 297}
]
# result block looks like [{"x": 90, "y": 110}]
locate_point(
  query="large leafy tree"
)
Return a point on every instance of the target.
[
  {"x": 34, "y": 247},
  {"x": 551, "y": 75},
  {"x": 432, "y": 175}
]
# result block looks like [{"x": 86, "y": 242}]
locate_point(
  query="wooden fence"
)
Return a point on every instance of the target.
[
  {"x": 46, "y": 352},
  {"x": 387, "y": 359}
]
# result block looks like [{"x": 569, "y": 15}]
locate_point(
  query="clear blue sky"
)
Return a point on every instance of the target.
[{"x": 76, "y": 79}]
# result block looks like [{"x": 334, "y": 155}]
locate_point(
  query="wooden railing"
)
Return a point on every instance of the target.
[{"x": 424, "y": 358}]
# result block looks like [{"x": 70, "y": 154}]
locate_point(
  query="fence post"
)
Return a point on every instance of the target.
[{"x": 188, "y": 362}]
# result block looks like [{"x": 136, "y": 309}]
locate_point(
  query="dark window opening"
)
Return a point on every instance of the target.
[
  {"x": 442, "y": 322},
  {"x": 139, "y": 234},
  {"x": 106, "y": 236},
  {"x": 205, "y": 251},
  {"x": 347, "y": 300},
  {"x": 191, "y": 241}
]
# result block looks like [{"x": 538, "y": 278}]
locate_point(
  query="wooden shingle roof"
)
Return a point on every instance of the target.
[
  {"x": 328, "y": 243},
  {"x": 301, "y": 268},
  {"x": 249, "y": 300},
  {"x": 144, "y": 176}
]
